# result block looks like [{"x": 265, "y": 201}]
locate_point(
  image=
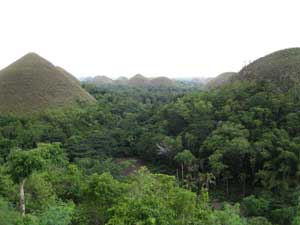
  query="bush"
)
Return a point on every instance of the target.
[
  {"x": 258, "y": 221},
  {"x": 8, "y": 215},
  {"x": 252, "y": 206}
]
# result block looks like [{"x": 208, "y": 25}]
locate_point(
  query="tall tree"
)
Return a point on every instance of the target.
[
  {"x": 22, "y": 164},
  {"x": 184, "y": 158}
]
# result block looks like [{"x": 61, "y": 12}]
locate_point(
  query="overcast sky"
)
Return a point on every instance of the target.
[{"x": 175, "y": 38}]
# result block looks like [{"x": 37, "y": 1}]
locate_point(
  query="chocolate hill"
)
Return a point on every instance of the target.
[{"x": 33, "y": 84}]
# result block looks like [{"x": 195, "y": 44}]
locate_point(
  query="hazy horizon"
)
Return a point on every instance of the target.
[{"x": 177, "y": 39}]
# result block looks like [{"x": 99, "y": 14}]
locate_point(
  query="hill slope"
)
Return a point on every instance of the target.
[
  {"x": 68, "y": 75},
  {"x": 220, "y": 80},
  {"x": 281, "y": 68},
  {"x": 32, "y": 84},
  {"x": 161, "y": 81},
  {"x": 99, "y": 80},
  {"x": 138, "y": 80},
  {"x": 121, "y": 81}
]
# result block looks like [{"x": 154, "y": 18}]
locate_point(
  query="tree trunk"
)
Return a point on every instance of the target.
[
  {"x": 207, "y": 183},
  {"x": 182, "y": 172},
  {"x": 244, "y": 188},
  {"x": 22, "y": 197},
  {"x": 227, "y": 187}
]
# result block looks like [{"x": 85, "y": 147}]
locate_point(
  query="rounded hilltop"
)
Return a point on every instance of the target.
[
  {"x": 281, "y": 68},
  {"x": 33, "y": 84},
  {"x": 138, "y": 80}
]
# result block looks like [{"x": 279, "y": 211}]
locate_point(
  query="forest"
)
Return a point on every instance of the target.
[{"x": 227, "y": 156}]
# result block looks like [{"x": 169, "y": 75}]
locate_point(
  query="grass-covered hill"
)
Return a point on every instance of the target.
[
  {"x": 221, "y": 80},
  {"x": 161, "y": 81},
  {"x": 32, "y": 84},
  {"x": 69, "y": 75},
  {"x": 282, "y": 68},
  {"x": 121, "y": 81},
  {"x": 138, "y": 80},
  {"x": 100, "y": 80}
]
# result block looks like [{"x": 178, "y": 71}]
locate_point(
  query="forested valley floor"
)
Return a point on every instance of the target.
[{"x": 156, "y": 156}]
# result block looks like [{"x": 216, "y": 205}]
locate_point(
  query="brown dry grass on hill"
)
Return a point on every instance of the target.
[{"x": 32, "y": 84}]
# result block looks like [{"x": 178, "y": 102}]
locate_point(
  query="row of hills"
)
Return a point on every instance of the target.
[
  {"x": 33, "y": 84},
  {"x": 137, "y": 80}
]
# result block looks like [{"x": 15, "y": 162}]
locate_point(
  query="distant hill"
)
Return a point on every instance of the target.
[
  {"x": 121, "y": 81},
  {"x": 138, "y": 80},
  {"x": 161, "y": 81},
  {"x": 32, "y": 84},
  {"x": 99, "y": 80},
  {"x": 281, "y": 68},
  {"x": 221, "y": 79}
]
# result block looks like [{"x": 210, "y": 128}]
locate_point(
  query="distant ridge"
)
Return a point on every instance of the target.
[
  {"x": 136, "y": 81},
  {"x": 33, "y": 84}
]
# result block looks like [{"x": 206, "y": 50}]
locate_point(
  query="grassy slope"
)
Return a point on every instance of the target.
[
  {"x": 281, "y": 67},
  {"x": 33, "y": 84},
  {"x": 69, "y": 76},
  {"x": 138, "y": 80},
  {"x": 220, "y": 80},
  {"x": 161, "y": 81}
]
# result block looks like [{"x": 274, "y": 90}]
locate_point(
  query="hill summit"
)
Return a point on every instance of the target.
[
  {"x": 33, "y": 84},
  {"x": 138, "y": 80},
  {"x": 281, "y": 68},
  {"x": 99, "y": 80}
]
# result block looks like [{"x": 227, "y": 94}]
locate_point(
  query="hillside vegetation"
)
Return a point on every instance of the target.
[
  {"x": 32, "y": 84},
  {"x": 282, "y": 68},
  {"x": 158, "y": 156}
]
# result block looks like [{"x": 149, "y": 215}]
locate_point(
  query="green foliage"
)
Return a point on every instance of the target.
[
  {"x": 230, "y": 215},
  {"x": 185, "y": 157},
  {"x": 69, "y": 186},
  {"x": 258, "y": 221},
  {"x": 253, "y": 206},
  {"x": 8, "y": 215},
  {"x": 7, "y": 187},
  {"x": 155, "y": 199},
  {"x": 57, "y": 215},
  {"x": 39, "y": 193},
  {"x": 100, "y": 194},
  {"x": 284, "y": 215},
  {"x": 236, "y": 142},
  {"x": 23, "y": 163}
]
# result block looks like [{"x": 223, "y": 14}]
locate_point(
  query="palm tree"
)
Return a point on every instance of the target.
[
  {"x": 206, "y": 179},
  {"x": 184, "y": 158}
]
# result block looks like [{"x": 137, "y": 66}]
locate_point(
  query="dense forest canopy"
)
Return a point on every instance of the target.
[{"x": 225, "y": 156}]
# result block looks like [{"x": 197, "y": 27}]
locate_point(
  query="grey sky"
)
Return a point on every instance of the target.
[{"x": 153, "y": 37}]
